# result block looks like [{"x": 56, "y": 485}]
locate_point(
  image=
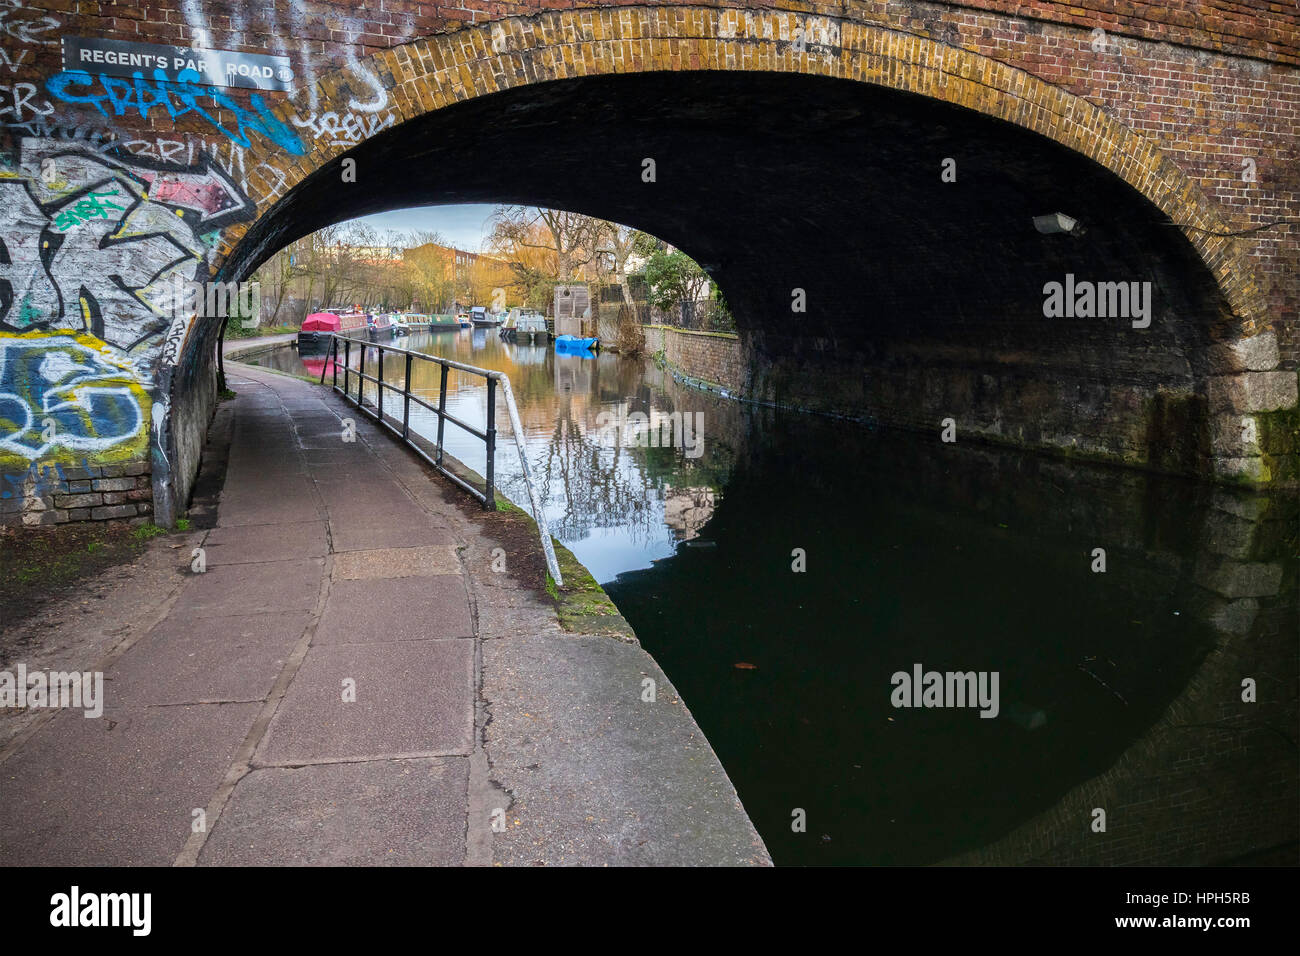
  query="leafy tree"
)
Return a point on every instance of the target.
[{"x": 674, "y": 279}]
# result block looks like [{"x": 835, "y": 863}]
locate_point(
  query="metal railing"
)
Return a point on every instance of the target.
[{"x": 489, "y": 436}]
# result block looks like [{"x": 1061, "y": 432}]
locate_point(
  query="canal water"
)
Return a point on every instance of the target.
[{"x": 784, "y": 568}]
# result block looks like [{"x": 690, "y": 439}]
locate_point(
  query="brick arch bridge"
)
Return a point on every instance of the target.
[{"x": 797, "y": 144}]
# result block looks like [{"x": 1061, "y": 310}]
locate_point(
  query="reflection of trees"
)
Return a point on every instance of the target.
[
  {"x": 627, "y": 486},
  {"x": 601, "y": 487}
]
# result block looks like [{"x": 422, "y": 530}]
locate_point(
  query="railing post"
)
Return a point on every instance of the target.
[
  {"x": 490, "y": 501},
  {"x": 406, "y": 399},
  {"x": 347, "y": 363},
  {"x": 361, "y": 376},
  {"x": 379, "y": 385},
  {"x": 442, "y": 409}
]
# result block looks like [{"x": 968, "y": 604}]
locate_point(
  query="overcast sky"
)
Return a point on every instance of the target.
[{"x": 462, "y": 226}]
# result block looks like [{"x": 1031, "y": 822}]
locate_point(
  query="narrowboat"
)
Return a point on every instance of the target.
[
  {"x": 524, "y": 324},
  {"x": 319, "y": 327},
  {"x": 379, "y": 326},
  {"x": 480, "y": 319},
  {"x": 314, "y": 336}
]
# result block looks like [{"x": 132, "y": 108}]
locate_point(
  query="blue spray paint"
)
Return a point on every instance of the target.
[{"x": 178, "y": 98}]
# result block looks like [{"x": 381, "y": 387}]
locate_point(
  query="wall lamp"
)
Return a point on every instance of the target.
[{"x": 1058, "y": 222}]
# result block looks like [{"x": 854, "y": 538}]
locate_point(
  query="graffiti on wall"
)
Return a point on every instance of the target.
[
  {"x": 139, "y": 98},
  {"x": 363, "y": 118},
  {"x": 66, "y": 394},
  {"x": 93, "y": 244},
  {"x": 344, "y": 129},
  {"x": 91, "y": 250},
  {"x": 22, "y": 25},
  {"x": 158, "y": 150}
]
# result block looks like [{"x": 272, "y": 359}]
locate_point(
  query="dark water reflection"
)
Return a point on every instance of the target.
[{"x": 1119, "y": 690}]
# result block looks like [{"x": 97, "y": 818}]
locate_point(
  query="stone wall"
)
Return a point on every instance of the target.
[
  {"x": 1065, "y": 407},
  {"x": 58, "y": 494}
]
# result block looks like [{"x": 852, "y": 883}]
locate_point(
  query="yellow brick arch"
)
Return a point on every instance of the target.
[{"x": 429, "y": 74}]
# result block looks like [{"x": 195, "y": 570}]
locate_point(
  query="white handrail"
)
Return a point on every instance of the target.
[{"x": 538, "y": 514}]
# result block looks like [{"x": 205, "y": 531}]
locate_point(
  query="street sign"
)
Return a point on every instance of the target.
[{"x": 253, "y": 71}]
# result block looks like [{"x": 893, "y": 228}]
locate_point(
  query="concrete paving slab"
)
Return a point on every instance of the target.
[
  {"x": 322, "y": 440},
  {"x": 412, "y": 700},
  {"x": 363, "y": 491},
  {"x": 270, "y": 507},
  {"x": 116, "y": 792},
  {"x": 257, "y": 543},
  {"x": 373, "y": 813},
  {"x": 184, "y": 660},
  {"x": 253, "y": 588},
  {"x": 355, "y": 531},
  {"x": 315, "y": 418},
  {"x": 268, "y": 448},
  {"x": 344, "y": 452},
  {"x": 598, "y": 775},
  {"x": 396, "y": 563},
  {"x": 366, "y": 491},
  {"x": 286, "y": 477},
  {"x": 261, "y": 441},
  {"x": 403, "y": 609},
  {"x": 253, "y": 481},
  {"x": 257, "y": 469}
]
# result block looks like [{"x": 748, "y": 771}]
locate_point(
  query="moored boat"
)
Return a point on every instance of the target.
[
  {"x": 524, "y": 325},
  {"x": 480, "y": 319},
  {"x": 573, "y": 343},
  {"x": 379, "y": 326},
  {"x": 316, "y": 331},
  {"x": 319, "y": 327}
]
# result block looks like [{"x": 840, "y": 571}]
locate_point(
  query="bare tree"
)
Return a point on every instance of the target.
[
  {"x": 619, "y": 242},
  {"x": 568, "y": 238}
]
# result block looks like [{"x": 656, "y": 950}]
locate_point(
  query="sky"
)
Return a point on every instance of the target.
[{"x": 462, "y": 226}]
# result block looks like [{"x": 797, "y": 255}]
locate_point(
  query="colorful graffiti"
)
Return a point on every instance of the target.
[
  {"x": 174, "y": 152},
  {"x": 114, "y": 96},
  {"x": 95, "y": 205},
  {"x": 93, "y": 243},
  {"x": 64, "y": 395},
  {"x": 93, "y": 248}
]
